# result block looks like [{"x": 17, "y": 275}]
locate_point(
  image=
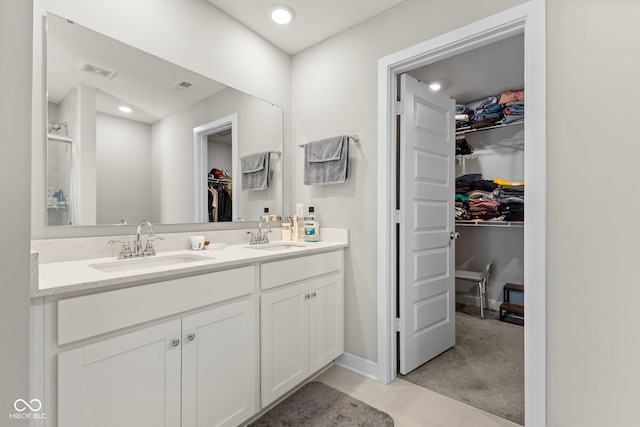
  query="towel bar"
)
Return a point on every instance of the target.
[{"x": 355, "y": 138}]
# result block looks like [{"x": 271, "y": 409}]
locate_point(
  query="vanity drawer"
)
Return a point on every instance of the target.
[
  {"x": 279, "y": 273},
  {"x": 90, "y": 315}
]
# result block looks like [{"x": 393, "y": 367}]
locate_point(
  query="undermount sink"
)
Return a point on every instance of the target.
[
  {"x": 148, "y": 262},
  {"x": 278, "y": 246}
]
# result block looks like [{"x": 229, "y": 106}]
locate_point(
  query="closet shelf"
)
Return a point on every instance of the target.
[
  {"x": 472, "y": 223},
  {"x": 466, "y": 130}
]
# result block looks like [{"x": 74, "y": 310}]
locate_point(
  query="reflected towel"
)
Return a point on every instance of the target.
[
  {"x": 255, "y": 171},
  {"x": 326, "y": 161}
]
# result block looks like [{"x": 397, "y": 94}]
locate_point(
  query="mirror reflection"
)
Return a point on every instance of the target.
[{"x": 132, "y": 136}]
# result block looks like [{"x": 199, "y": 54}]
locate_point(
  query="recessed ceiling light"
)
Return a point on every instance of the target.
[
  {"x": 125, "y": 109},
  {"x": 281, "y": 14},
  {"x": 435, "y": 86}
]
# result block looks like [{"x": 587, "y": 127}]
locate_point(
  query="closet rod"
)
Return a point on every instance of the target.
[{"x": 355, "y": 138}]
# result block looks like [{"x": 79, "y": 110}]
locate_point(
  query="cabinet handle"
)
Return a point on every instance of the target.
[
  {"x": 175, "y": 342},
  {"x": 307, "y": 296},
  {"x": 313, "y": 294},
  {"x": 191, "y": 336}
]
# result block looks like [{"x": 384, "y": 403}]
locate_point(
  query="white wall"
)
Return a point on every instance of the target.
[
  {"x": 259, "y": 129},
  {"x": 219, "y": 156},
  {"x": 201, "y": 38},
  {"x": 335, "y": 93},
  {"x": 593, "y": 286},
  {"x": 123, "y": 164},
  {"x": 15, "y": 177},
  {"x": 592, "y": 281}
]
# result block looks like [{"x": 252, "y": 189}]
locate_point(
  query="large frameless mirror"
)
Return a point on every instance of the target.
[{"x": 132, "y": 136}]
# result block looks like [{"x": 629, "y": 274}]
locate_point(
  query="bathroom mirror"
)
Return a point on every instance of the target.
[{"x": 163, "y": 160}]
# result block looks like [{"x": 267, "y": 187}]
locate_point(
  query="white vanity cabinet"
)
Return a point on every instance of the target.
[
  {"x": 190, "y": 349},
  {"x": 302, "y": 320},
  {"x": 219, "y": 366},
  {"x": 192, "y": 370},
  {"x": 131, "y": 379}
]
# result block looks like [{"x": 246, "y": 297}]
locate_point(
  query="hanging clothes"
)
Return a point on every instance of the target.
[{"x": 220, "y": 204}]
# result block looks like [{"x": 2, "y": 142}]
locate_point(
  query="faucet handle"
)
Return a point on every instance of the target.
[
  {"x": 149, "y": 249},
  {"x": 126, "y": 251}
]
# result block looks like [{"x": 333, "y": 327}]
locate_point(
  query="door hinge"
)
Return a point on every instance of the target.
[
  {"x": 398, "y": 216},
  {"x": 399, "y": 108},
  {"x": 397, "y": 325}
]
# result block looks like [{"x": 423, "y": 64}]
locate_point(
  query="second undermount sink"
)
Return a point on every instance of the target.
[
  {"x": 148, "y": 262},
  {"x": 278, "y": 246}
]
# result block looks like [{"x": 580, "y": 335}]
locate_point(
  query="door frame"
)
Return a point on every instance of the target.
[
  {"x": 528, "y": 18},
  {"x": 200, "y": 168}
]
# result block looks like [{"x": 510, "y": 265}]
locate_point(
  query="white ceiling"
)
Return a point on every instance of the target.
[
  {"x": 314, "y": 22},
  {"x": 480, "y": 72},
  {"x": 466, "y": 77},
  {"x": 142, "y": 81}
]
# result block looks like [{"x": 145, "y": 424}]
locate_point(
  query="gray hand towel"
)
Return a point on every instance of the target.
[
  {"x": 326, "y": 161},
  {"x": 255, "y": 171}
]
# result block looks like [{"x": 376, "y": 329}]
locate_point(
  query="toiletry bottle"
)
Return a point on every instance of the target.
[
  {"x": 311, "y": 228},
  {"x": 286, "y": 230},
  {"x": 298, "y": 223},
  {"x": 60, "y": 195},
  {"x": 294, "y": 229}
]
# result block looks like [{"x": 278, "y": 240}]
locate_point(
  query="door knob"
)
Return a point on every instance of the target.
[{"x": 454, "y": 235}]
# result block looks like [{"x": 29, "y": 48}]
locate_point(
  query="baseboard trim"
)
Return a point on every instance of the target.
[{"x": 358, "y": 365}]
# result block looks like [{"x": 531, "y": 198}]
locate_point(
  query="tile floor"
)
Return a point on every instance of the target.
[{"x": 408, "y": 404}]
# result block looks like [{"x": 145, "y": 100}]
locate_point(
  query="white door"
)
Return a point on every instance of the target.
[
  {"x": 131, "y": 379},
  {"x": 218, "y": 366},
  {"x": 284, "y": 340},
  {"x": 326, "y": 321},
  {"x": 427, "y": 187}
]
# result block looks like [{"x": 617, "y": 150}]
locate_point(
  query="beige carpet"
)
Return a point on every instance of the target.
[
  {"x": 318, "y": 405},
  {"x": 485, "y": 369}
]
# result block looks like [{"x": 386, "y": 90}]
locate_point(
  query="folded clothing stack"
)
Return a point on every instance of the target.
[
  {"x": 508, "y": 107},
  {"x": 481, "y": 200}
]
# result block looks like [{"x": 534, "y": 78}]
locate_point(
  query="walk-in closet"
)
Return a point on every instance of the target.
[
  {"x": 490, "y": 233},
  {"x": 219, "y": 181}
]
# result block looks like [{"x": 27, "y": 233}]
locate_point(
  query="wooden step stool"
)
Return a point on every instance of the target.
[{"x": 510, "y": 312}]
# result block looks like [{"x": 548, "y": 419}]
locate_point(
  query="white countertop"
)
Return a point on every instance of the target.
[{"x": 70, "y": 276}]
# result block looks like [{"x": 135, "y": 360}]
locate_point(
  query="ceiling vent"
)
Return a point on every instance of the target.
[
  {"x": 182, "y": 86},
  {"x": 97, "y": 70}
]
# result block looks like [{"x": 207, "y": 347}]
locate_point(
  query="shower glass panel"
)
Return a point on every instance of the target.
[{"x": 59, "y": 179}]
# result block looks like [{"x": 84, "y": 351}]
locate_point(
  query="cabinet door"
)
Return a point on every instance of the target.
[
  {"x": 219, "y": 366},
  {"x": 326, "y": 321},
  {"x": 129, "y": 380},
  {"x": 285, "y": 341}
]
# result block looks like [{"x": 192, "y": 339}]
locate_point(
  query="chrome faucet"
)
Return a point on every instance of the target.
[
  {"x": 137, "y": 250},
  {"x": 137, "y": 246},
  {"x": 260, "y": 237}
]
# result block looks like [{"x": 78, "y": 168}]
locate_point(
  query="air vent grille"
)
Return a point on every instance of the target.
[
  {"x": 97, "y": 70},
  {"x": 182, "y": 85}
]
